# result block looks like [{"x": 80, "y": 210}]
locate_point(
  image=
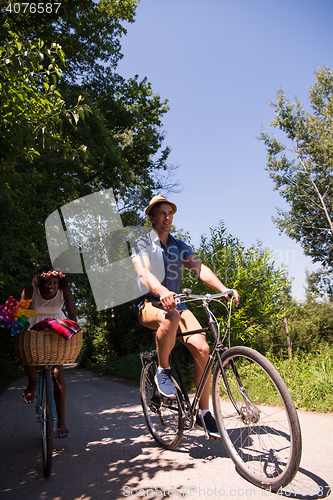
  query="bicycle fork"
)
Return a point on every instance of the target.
[
  {"x": 250, "y": 414},
  {"x": 39, "y": 399}
]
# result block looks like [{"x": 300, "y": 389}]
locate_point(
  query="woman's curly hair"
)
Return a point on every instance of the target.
[{"x": 39, "y": 280}]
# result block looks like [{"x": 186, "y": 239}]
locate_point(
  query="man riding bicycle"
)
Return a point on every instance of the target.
[{"x": 158, "y": 258}]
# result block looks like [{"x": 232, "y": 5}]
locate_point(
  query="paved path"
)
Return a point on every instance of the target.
[{"x": 110, "y": 455}]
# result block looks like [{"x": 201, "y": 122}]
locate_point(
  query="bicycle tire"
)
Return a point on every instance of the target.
[
  {"x": 163, "y": 415},
  {"x": 263, "y": 438},
  {"x": 46, "y": 422}
]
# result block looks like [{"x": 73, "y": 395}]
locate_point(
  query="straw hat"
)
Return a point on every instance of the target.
[{"x": 159, "y": 199}]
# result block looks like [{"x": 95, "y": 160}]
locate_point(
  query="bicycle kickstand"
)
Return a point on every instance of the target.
[{"x": 203, "y": 424}]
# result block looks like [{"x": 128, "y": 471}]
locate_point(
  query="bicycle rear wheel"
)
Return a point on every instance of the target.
[
  {"x": 163, "y": 415},
  {"x": 259, "y": 424},
  {"x": 46, "y": 421}
]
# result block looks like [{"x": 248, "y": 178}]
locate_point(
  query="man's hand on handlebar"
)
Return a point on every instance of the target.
[
  {"x": 235, "y": 297},
  {"x": 167, "y": 300}
]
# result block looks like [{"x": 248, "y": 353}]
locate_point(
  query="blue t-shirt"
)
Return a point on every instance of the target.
[{"x": 165, "y": 264}]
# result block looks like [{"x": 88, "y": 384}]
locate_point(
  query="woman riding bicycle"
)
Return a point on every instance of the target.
[{"x": 48, "y": 291}]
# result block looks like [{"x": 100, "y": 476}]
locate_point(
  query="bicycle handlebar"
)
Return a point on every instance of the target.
[{"x": 186, "y": 293}]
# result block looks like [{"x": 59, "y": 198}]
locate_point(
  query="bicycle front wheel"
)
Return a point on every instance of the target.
[
  {"x": 163, "y": 415},
  {"x": 46, "y": 421},
  {"x": 259, "y": 424}
]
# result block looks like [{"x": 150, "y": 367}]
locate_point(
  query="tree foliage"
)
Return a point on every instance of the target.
[
  {"x": 302, "y": 168},
  {"x": 310, "y": 327},
  {"x": 264, "y": 289},
  {"x": 34, "y": 115},
  {"x": 50, "y": 154},
  {"x": 30, "y": 103},
  {"x": 88, "y": 31}
]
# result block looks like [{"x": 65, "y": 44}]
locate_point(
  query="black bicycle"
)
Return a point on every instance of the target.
[
  {"x": 46, "y": 416},
  {"x": 254, "y": 412}
]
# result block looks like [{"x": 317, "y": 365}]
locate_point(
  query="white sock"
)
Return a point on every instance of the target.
[
  {"x": 203, "y": 412},
  {"x": 159, "y": 369}
]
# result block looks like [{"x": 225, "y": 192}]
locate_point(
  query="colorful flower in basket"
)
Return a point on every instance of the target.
[{"x": 14, "y": 313}]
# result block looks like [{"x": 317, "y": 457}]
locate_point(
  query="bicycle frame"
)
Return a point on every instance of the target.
[{"x": 215, "y": 353}]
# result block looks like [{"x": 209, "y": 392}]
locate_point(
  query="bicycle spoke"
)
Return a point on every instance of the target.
[{"x": 163, "y": 415}]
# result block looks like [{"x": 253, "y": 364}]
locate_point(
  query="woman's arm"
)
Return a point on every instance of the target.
[
  {"x": 69, "y": 303},
  {"x": 27, "y": 292}
]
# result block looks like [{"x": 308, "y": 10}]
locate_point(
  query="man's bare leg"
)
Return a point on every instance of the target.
[
  {"x": 199, "y": 349},
  {"x": 165, "y": 340},
  {"x": 166, "y": 335}
]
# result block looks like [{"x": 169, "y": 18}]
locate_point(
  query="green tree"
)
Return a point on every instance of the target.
[
  {"x": 116, "y": 147},
  {"x": 30, "y": 103},
  {"x": 125, "y": 135},
  {"x": 88, "y": 31},
  {"x": 310, "y": 327},
  {"x": 33, "y": 117},
  {"x": 302, "y": 168}
]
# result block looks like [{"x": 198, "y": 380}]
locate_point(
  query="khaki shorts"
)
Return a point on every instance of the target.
[{"x": 188, "y": 322}]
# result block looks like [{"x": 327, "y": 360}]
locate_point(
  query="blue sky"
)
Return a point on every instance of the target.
[{"x": 218, "y": 63}]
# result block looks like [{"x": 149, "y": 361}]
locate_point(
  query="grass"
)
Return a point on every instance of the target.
[{"x": 309, "y": 377}]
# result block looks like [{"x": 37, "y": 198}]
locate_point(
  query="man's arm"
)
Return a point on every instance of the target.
[
  {"x": 207, "y": 276},
  {"x": 142, "y": 266}
]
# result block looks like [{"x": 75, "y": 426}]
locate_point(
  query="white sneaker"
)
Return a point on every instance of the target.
[{"x": 164, "y": 383}]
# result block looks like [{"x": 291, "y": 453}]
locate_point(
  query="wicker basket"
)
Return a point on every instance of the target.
[{"x": 46, "y": 347}]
